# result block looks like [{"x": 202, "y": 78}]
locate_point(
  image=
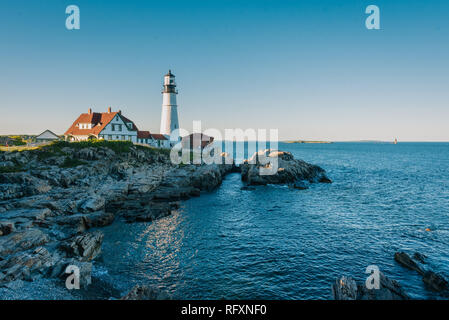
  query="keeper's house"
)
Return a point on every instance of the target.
[{"x": 111, "y": 126}]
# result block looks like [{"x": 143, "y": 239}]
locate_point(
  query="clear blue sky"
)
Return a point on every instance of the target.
[{"x": 309, "y": 68}]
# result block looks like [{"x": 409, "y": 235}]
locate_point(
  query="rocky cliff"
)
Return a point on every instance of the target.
[
  {"x": 280, "y": 167},
  {"x": 51, "y": 199}
]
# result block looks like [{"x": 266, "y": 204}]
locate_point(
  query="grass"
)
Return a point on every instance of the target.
[
  {"x": 116, "y": 146},
  {"x": 71, "y": 163},
  {"x": 56, "y": 148}
]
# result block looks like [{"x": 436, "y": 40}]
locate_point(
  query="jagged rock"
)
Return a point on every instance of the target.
[
  {"x": 21, "y": 241},
  {"x": 151, "y": 212},
  {"x": 175, "y": 193},
  {"x": 72, "y": 224},
  {"x": 405, "y": 260},
  {"x": 6, "y": 228},
  {"x": 26, "y": 265},
  {"x": 98, "y": 219},
  {"x": 435, "y": 281},
  {"x": 33, "y": 214},
  {"x": 7, "y": 164},
  {"x": 11, "y": 191},
  {"x": 301, "y": 185},
  {"x": 64, "y": 206},
  {"x": 79, "y": 223},
  {"x": 19, "y": 184},
  {"x": 85, "y": 272},
  {"x": 420, "y": 257},
  {"x": 87, "y": 154},
  {"x": 140, "y": 292},
  {"x": 53, "y": 206},
  {"x": 346, "y": 288},
  {"x": 389, "y": 290},
  {"x": 208, "y": 177},
  {"x": 279, "y": 167},
  {"x": 85, "y": 247},
  {"x": 91, "y": 204}
]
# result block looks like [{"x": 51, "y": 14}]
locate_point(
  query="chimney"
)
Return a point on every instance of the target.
[
  {"x": 109, "y": 109},
  {"x": 90, "y": 111},
  {"x": 120, "y": 112}
]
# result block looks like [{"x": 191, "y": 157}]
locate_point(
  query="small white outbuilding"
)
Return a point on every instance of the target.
[{"x": 47, "y": 136}]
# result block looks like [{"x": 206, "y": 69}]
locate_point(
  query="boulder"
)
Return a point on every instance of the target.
[
  {"x": 98, "y": 219},
  {"x": 405, "y": 260},
  {"x": 152, "y": 211},
  {"x": 435, "y": 281},
  {"x": 419, "y": 257},
  {"x": 140, "y": 292},
  {"x": 279, "y": 167},
  {"x": 25, "y": 185},
  {"x": 301, "y": 185},
  {"x": 389, "y": 290},
  {"x": 27, "y": 213},
  {"x": 84, "y": 247},
  {"x": 85, "y": 272},
  {"x": 21, "y": 241},
  {"x": 91, "y": 204},
  {"x": 26, "y": 265},
  {"x": 6, "y": 228},
  {"x": 71, "y": 224},
  {"x": 346, "y": 288}
]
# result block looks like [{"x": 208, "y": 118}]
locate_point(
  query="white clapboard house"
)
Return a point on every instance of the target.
[{"x": 111, "y": 126}]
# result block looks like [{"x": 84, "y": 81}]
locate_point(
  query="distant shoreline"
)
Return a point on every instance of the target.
[{"x": 305, "y": 141}]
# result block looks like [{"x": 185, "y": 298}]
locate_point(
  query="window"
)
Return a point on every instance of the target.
[
  {"x": 110, "y": 137},
  {"x": 123, "y": 137},
  {"x": 119, "y": 127},
  {"x": 113, "y": 127}
]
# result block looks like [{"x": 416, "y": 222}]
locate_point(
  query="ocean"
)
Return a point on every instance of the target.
[{"x": 275, "y": 242}]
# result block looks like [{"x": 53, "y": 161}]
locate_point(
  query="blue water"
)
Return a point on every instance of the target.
[{"x": 281, "y": 243}]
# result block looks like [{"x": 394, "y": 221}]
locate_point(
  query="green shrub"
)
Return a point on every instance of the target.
[
  {"x": 71, "y": 163},
  {"x": 117, "y": 146}
]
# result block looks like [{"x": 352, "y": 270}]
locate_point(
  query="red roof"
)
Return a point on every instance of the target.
[
  {"x": 126, "y": 120},
  {"x": 143, "y": 135},
  {"x": 98, "y": 120},
  {"x": 158, "y": 136}
]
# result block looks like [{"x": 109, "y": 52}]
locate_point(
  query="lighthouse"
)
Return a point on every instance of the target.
[{"x": 169, "y": 117}]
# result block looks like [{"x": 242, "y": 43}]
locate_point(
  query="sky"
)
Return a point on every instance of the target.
[{"x": 310, "y": 69}]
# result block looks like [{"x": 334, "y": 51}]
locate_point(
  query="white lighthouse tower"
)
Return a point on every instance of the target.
[{"x": 169, "y": 118}]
